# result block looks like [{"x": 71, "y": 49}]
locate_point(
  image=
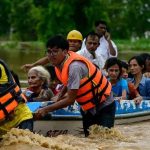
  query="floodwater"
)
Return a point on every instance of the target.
[
  {"x": 15, "y": 58},
  {"x": 123, "y": 137}
]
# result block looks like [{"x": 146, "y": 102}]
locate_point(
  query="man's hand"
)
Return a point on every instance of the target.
[
  {"x": 107, "y": 36},
  {"x": 26, "y": 67},
  {"x": 40, "y": 113},
  {"x": 138, "y": 100}
]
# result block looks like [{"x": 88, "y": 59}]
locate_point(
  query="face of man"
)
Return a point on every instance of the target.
[
  {"x": 74, "y": 45},
  {"x": 56, "y": 55},
  {"x": 92, "y": 42},
  {"x": 100, "y": 29}
]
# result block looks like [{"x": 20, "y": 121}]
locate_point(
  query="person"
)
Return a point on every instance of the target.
[
  {"x": 74, "y": 38},
  {"x": 13, "y": 109},
  {"x": 133, "y": 94},
  {"x": 119, "y": 85},
  {"x": 107, "y": 47},
  {"x": 146, "y": 58},
  {"x": 38, "y": 80},
  {"x": 82, "y": 82},
  {"x": 141, "y": 83},
  {"x": 92, "y": 42}
]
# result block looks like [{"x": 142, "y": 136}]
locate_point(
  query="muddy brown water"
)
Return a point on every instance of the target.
[{"x": 123, "y": 137}]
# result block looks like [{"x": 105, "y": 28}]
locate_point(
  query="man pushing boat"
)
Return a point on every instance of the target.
[{"x": 82, "y": 82}]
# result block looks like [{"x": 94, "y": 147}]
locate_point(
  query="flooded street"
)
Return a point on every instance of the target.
[{"x": 123, "y": 137}]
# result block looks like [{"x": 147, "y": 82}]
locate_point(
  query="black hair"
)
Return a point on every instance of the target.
[
  {"x": 145, "y": 55},
  {"x": 114, "y": 61},
  {"x": 51, "y": 70},
  {"x": 124, "y": 65},
  {"x": 139, "y": 60},
  {"x": 58, "y": 41},
  {"x": 16, "y": 78},
  {"x": 92, "y": 33},
  {"x": 100, "y": 22}
]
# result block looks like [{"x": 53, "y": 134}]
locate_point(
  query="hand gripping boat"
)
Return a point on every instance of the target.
[{"x": 68, "y": 120}]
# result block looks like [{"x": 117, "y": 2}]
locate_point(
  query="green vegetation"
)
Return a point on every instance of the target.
[
  {"x": 137, "y": 45},
  {"x": 36, "y": 20}
]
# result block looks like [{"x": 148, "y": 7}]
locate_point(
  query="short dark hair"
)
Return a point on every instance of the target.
[
  {"x": 92, "y": 33},
  {"x": 100, "y": 22},
  {"x": 124, "y": 65},
  {"x": 113, "y": 61},
  {"x": 58, "y": 41}
]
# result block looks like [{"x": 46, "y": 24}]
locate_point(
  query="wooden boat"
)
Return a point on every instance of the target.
[{"x": 68, "y": 120}]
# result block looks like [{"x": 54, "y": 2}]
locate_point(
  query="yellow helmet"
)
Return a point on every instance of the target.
[{"x": 74, "y": 35}]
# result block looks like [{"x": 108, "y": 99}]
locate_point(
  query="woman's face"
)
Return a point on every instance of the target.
[
  {"x": 134, "y": 67},
  {"x": 113, "y": 72},
  {"x": 34, "y": 80}
]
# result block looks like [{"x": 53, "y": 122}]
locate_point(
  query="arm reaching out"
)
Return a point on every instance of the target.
[{"x": 42, "y": 61}]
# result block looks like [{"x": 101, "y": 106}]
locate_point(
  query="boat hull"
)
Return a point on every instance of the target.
[{"x": 69, "y": 120}]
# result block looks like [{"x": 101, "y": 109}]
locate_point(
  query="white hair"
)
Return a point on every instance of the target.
[{"x": 42, "y": 73}]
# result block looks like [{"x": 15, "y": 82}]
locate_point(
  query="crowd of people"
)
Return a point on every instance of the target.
[{"x": 89, "y": 72}]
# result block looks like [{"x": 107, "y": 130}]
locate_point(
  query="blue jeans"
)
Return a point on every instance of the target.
[
  {"x": 26, "y": 124},
  {"x": 105, "y": 117}
]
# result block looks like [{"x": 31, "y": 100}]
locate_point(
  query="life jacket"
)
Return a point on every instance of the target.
[
  {"x": 93, "y": 89},
  {"x": 3, "y": 76},
  {"x": 10, "y": 94}
]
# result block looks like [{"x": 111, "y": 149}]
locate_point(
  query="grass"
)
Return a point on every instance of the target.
[
  {"x": 123, "y": 45},
  {"x": 136, "y": 45}
]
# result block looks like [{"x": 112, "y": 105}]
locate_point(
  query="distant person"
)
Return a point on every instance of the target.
[
  {"x": 14, "y": 113},
  {"x": 38, "y": 80},
  {"x": 141, "y": 83},
  {"x": 146, "y": 58},
  {"x": 82, "y": 82},
  {"x": 119, "y": 85},
  {"x": 133, "y": 94},
  {"x": 74, "y": 38},
  {"x": 89, "y": 51},
  {"x": 107, "y": 47}
]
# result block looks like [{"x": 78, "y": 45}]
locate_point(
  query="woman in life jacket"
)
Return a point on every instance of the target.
[{"x": 13, "y": 109}]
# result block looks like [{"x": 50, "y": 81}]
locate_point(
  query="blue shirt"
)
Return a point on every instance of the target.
[
  {"x": 144, "y": 87},
  {"x": 119, "y": 87}
]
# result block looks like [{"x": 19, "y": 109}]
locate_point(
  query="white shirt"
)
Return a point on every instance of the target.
[
  {"x": 99, "y": 61},
  {"x": 103, "y": 48}
]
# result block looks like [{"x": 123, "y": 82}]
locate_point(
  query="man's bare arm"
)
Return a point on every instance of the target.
[
  {"x": 42, "y": 61},
  {"x": 64, "y": 102},
  {"x": 111, "y": 48}
]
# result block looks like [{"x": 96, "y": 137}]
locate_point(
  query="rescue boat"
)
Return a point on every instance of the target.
[{"x": 68, "y": 120}]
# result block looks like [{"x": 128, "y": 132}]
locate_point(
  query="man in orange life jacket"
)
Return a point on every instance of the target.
[{"x": 82, "y": 82}]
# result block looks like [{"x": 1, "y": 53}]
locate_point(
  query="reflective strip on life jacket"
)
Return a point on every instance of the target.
[
  {"x": 3, "y": 77},
  {"x": 9, "y": 100}
]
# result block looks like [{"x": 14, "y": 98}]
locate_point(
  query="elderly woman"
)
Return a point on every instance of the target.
[
  {"x": 142, "y": 84},
  {"x": 38, "y": 80}
]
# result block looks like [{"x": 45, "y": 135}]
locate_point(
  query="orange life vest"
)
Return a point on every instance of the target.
[
  {"x": 93, "y": 89},
  {"x": 10, "y": 94}
]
